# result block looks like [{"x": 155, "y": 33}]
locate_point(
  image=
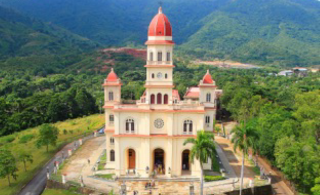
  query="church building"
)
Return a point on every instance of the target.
[{"x": 147, "y": 137}]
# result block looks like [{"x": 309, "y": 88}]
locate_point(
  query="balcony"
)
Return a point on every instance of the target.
[{"x": 159, "y": 62}]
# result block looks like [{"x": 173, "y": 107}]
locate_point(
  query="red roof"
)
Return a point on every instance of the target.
[
  {"x": 207, "y": 79},
  {"x": 192, "y": 92},
  {"x": 112, "y": 76},
  {"x": 160, "y": 25},
  {"x": 175, "y": 94}
]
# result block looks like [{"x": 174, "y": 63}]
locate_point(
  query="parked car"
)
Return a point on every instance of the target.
[{"x": 101, "y": 131}]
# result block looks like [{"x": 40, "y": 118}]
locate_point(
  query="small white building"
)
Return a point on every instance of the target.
[{"x": 148, "y": 136}]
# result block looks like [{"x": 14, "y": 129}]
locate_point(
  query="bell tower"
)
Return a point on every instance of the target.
[{"x": 159, "y": 82}]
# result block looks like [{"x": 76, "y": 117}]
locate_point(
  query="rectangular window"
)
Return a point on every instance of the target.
[
  {"x": 168, "y": 56},
  {"x": 160, "y": 56},
  {"x": 151, "y": 56}
]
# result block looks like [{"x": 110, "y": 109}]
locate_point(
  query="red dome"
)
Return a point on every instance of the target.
[
  {"x": 207, "y": 79},
  {"x": 112, "y": 76},
  {"x": 160, "y": 25}
]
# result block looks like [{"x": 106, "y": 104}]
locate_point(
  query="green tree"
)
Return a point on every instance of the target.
[
  {"x": 316, "y": 189},
  {"x": 48, "y": 135},
  {"x": 7, "y": 165},
  {"x": 244, "y": 138},
  {"x": 25, "y": 157},
  {"x": 202, "y": 148}
]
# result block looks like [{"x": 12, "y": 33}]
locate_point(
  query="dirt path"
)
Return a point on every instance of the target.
[{"x": 278, "y": 184}]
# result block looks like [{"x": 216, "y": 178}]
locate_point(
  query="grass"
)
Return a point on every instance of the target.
[
  {"x": 255, "y": 169},
  {"x": 208, "y": 178},
  {"x": 58, "y": 192},
  {"x": 105, "y": 176},
  {"x": 79, "y": 126},
  {"x": 103, "y": 161}
]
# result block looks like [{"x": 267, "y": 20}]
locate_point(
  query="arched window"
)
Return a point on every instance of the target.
[
  {"x": 110, "y": 96},
  {"x": 152, "y": 75},
  {"x": 168, "y": 56},
  {"x": 130, "y": 125},
  {"x": 111, "y": 118},
  {"x": 159, "y": 98},
  {"x": 165, "y": 99},
  {"x": 208, "y": 97},
  {"x": 166, "y": 75},
  {"x": 152, "y": 99},
  {"x": 187, "y": 126},
  {"x": 112, "y": 155},
  {"x": 111, "y": 140},
  {"x": 151, "y": 56},
  {"x": 207, "y": 120},
  {"x": 159, "y": 56}
]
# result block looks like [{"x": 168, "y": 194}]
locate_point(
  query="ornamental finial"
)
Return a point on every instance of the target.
[{"x": 160, "y": 10}]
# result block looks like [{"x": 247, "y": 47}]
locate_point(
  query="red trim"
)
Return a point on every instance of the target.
[
  {"x": 107, "y": 106},
  {"x": 207, "y": 86},
  {"x": 154, "y": 110},
  {"x": 111, "y": 84},
  {"x": 159, "y": 86},
  {"x": 109, "y": 130},
  {"x": 159, "y": 66},
  {"x": 159, "y": 42},
  {"x": 155, "y": 136}
]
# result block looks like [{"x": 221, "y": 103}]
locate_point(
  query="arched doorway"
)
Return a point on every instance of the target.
[
  {"x": 131, "y": 159},
  {"x": 158, "y": 161},
  {"x": 186, "y": 169}
]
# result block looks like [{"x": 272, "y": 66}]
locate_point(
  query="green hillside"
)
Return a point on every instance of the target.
[{"x": 274, "y": 32}]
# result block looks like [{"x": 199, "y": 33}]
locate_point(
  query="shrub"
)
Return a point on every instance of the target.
[
  {"x": 65, "y": 131},
  {"x": 71, "y": 131},
  {"x": 9, "y": 139},
  {"x": 213, "y": 178},
  {"x": 26, "y": 138}
]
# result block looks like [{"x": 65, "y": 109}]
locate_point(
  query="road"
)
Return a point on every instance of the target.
[
  {"x": 38, "y": 183},
  {"x": 278, "y": 184}
]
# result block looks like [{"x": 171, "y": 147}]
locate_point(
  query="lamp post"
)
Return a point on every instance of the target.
[{"x": 100, "y": 106}]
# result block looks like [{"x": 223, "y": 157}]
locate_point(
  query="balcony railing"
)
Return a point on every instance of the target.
[{"x": 159, "y": 62}]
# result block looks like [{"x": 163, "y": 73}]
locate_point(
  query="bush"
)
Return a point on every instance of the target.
[
  {"x": 65, "y": 131},
  {"x": 213, "y": 178},
  {"x": 9, "y": 139},
  {"x": 71, "y": 131},
  {"x": 26, "y": 138}
]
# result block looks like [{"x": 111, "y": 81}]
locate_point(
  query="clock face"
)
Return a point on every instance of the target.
[
  {"x": 158, "y": 123},
  {"x": 159, "y": 75}
]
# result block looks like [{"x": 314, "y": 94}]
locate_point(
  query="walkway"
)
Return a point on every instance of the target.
[
  {"x": 38, "y": 183},
  {"x": 78, "y": 165}
]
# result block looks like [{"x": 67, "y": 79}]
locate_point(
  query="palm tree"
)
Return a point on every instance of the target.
[
  {"x": 202, "y": 149},
  {"x": 244, "y": 137},
  {"x": 25, "y": 157}
]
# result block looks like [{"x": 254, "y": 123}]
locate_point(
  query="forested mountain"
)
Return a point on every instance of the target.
[
  {"x": 23, "y": 36},
  {"x": 279, "y": 32}
]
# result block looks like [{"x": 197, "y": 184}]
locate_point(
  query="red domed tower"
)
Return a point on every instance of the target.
[{"x": 159, "y": 64}]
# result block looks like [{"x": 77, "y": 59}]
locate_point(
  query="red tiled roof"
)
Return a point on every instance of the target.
[
  {"x": 207, "y": 79},
  {"x": 112, "y": 76},
  {"x": 160, "y": 25},
  {"x": 192, "y": 92},
  {"x": 175, "y": 94}
]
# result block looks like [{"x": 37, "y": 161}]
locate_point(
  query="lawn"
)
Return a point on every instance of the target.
[
  {"x": 68, "y": 130},
  {"x": 58, "y": 192},
  {"x": 105, "y": 176},
  {"x": 103, "y": 161}
]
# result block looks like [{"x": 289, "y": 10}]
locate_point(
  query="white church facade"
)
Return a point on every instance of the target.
[{"x": 147, "y": 137}]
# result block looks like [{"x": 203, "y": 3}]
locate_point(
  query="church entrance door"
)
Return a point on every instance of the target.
[
  {"x": 159, "y": 166},
  {"x": 186, "y": 162},
  {"x": 132, "y": 159}
]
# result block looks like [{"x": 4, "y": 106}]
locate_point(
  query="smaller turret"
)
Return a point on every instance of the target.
[{"x": 112, "y": 89}]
